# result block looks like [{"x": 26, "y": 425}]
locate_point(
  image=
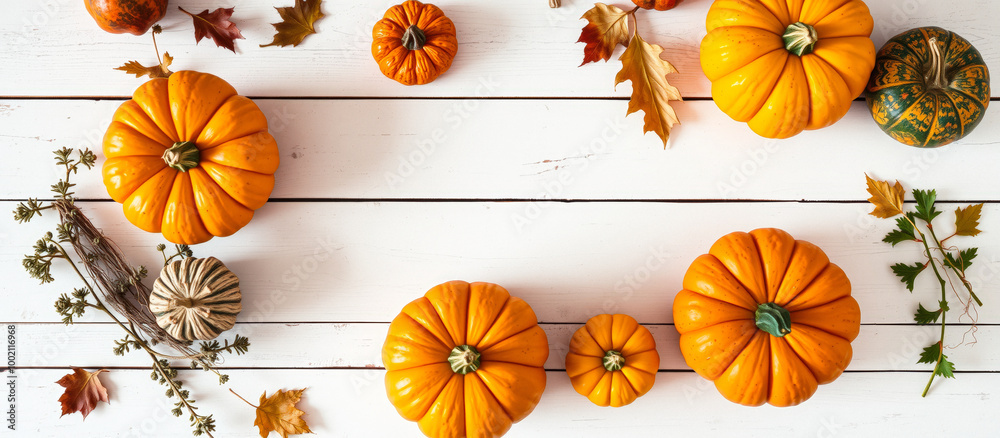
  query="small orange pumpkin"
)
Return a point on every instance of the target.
[
  {"x": 189, "y": 158},
  {"x": 414, "y": 43},
  {"x": 465, "y": 360},
  {"x": 126, "y": 16},
  {"x": 612, "y": 360},
  {"x": 659, "y": 5},
  {"x": 766, "y": 317}
]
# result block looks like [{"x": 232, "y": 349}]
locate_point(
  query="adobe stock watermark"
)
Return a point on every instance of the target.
[
  {"x": 48, "y": 10},
  {"x": 740, "y": 174},
  {"x": 625, "y": 288},
  {"x": 900, "y": 17},
  {"x": 11, "y": 377},
  {"x": 453, "y": 118},
  {"x": 610, "y": 130}
]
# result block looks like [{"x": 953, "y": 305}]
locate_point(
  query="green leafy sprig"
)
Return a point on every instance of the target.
[
  {"x": 943, "y": 260},
  {"x": 69, "y": 232}
]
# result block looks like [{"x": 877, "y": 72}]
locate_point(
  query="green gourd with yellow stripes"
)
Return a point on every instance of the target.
[{"x": 929, "y": 88}]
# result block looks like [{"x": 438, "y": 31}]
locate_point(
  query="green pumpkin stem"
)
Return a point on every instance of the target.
[
  {"x": 800, "y": 38},
  {"x": 182, "y": 156},
  {"x": 936, "y": 76},
  {"x": 414, "y": 38},
  {"x": 464, "y": 359},
  {"x": 773, "y": 319},
  {"x": 613, "y": 360}
]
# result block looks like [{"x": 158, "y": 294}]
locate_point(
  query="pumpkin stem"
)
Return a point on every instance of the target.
[
  {"x": 773, "y": 319},
  {"x": 192, "y": 304},
  {"x": 414, "y": 38},
  {"x": 613, "y": 360},
  {"x": 800, "y": 38},
  {"x": 936, "y": 76},
  {"x": 464, "y": 359},
  {"x": 182, "y": 156}
]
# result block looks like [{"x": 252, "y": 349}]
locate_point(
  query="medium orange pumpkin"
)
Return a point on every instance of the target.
[
  {"x": 766, "y": 317},
  {"x": 465, "y": 360},
  {"x": 612, "y": 360},
  {"x": 785, "y": 66},
  {"x": 126, "y": 16},
  {"x": 414, "y": 43},
  {"x": 189, "y": 158}
]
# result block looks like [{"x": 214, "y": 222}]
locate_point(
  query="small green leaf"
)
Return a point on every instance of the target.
[
  {"x": 930, "y": 353},
  {"x": 945, "y": 368},
  {"x": 925, "y": 204},
  {"x": 924, "y": 316},
  {"x": 963, "y": 260},
  {"x": 904, "y": 232},
  {"x": 908, "y": 273}
]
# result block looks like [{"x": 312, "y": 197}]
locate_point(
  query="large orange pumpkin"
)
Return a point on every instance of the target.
[
  {"x": 612, "y": 360},
  {"x": 189, "y": 158},
  {"x": 766, "y": 317},
  {"x": 784, "y": 66},
  {"x": 414, "y": 43},
  {"x": 465, "y": 360}
]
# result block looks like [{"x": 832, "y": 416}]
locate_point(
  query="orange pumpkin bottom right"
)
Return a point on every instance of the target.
[{"x": 766, "y": 317}]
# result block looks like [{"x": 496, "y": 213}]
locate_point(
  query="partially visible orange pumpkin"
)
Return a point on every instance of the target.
[
  {"x": 612, "y": 360},
  {"x": 126, "y": 16},
  {"x": 465, "y": 360},
  {"x": 189, "y": 158},
  {"x": 414, "y": 43},
  {"x": 766, "y": 317},
  {"x": 659, "y": 5}
]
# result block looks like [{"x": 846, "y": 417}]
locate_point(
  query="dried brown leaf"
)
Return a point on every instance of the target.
[
  {"x": 967, "y": 220},
  {"x": 83, "y": 391},
  {"x": 651, "y": 93},
  {"x": 156, "y": 71},
  {"x": 217, "y": 26},
  {"x": 888, "y": 199},
  {"x": 278, "y": 413},
  {"x": 607, "y": 27},
  {"x": 297, "y": 23}
]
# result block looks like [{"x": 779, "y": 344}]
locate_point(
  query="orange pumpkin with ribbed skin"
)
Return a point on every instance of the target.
[
  {"x": 783, "y": 66},
  {"x": 414, "y": 43},
  {"x": 612, "y": 360},
  {"x": 659, "y": 5},
  {"x": 189, "y": 158},
  {"x": 465, "y": 360},
  {"x": 766, "y": 317},
  {"x": 126, "y": 16}
]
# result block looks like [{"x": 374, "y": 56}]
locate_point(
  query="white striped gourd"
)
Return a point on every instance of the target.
[{"x": 196, "y": 299}]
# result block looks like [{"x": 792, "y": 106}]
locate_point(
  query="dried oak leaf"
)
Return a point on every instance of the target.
[
  {"x": 297, "y": 23},
  {"x": 278, "y": 413},
  {"x": 217, "y": 26},
  {"x": 156, "y": 71},
  {"x": 651, "y": 93},
  {"x": 967, "y": 220},
  {"x": 888, "y": 199},
  {"x": 607, "y": 27},
  {"x": 83, "y": 391}
]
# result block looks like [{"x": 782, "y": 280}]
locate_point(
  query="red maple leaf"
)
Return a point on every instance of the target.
[{"x": 217, "y": 26}]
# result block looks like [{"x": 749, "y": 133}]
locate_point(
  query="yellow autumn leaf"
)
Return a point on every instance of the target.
[
  {"x": 607, "y": 27},
  {"x": 967, "y": 220},
  {"x": 888, "y": 199},
  {"x": 156, "y": 71},
  {"x": 641, "y": 64}
]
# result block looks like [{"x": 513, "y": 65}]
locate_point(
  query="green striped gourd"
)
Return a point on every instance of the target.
[
  {"x": 929, "y": 88},
  {"x": 196, "y": 299}
]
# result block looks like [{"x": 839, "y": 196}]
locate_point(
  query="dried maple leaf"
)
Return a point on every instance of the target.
[
  {"x": 83, "y": 391},
  {"x": 278, "y": 413},
  {"x": 651, "y": 93},
  {"x": 156, "y": 71},
  {"x": 888, "y": 199},
  {"x": 607, "y": 27},
  {"x": 297, "y": 23},
  {"x": 217, "y": 26},
  {"x": 967, "y": 220}
]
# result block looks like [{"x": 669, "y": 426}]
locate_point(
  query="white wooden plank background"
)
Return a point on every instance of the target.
[{"x": 386, "y": 190}]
